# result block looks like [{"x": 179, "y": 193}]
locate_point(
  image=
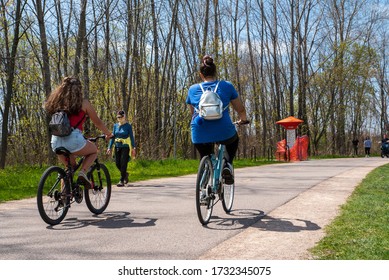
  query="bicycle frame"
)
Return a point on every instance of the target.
[{"x": 217, "y": 167}]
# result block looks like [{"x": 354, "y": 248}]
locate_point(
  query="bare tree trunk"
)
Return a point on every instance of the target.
[
  {"x": 45, "y": 67},
  {"x": 276, "y": 71},
  {"x": 158, "y": 104},
  {"x": 124, "y": 82},
  {"x": 216, "y": 39},
  {"x": 206, "y": 23},
  {"x": 254, "y": 80},
  {"x": 11, "y": 52},
  {"x": 80, "y": 38}
]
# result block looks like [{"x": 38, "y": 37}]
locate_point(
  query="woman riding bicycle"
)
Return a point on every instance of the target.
[
  {"x": 68, "y": 96},
  {"x": 207, "y": 132}
]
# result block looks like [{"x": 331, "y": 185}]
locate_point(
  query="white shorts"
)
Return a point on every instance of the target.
[{"x": 73, "y": 142}]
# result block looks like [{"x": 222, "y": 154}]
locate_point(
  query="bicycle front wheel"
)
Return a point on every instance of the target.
[
  {"x": 228, "y": 191},
  {"x": 53, "y": 196},
  {"x": 204, "y": 199},
  {"x": 97, "y": 198}
]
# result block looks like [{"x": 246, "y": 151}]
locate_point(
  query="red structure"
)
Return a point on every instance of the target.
[
  {"x": 290, "y": 122},
  {"x": 292, "y": 148}
]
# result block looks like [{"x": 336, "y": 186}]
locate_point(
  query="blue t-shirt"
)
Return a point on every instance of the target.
[
  {"x": 122, "y": 131},
  {"x": 212, "y": 130}
]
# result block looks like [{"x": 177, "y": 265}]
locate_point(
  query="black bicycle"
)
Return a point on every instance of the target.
[{"x": 57, "y": 189}]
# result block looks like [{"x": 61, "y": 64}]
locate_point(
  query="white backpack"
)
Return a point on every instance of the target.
[{"x": 210, "y": 105}]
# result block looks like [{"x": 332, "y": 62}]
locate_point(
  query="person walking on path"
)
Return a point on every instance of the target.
[
  {"x": 124, "y": 141},
  {"x": 355, "y": 146},
  {"x": 367, "y": 145}
]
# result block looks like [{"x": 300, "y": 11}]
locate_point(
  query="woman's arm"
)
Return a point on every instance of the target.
[
  {"x": 239, "y": 108},
  {"x": 91, "y": 112}
]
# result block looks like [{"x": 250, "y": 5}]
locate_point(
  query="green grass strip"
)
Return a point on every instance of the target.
[{"x": 361, "y": 231}]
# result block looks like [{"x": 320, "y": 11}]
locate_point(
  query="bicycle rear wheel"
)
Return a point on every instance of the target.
[
  {"x": 53, "y": 196},
  {"x": 97, "y": 198},
  {"x": 204, "y": 201},
  {"x": 228, "y": 191}
]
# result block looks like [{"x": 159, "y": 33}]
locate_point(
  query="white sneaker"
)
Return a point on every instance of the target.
[{"x": 83, "y": 179}]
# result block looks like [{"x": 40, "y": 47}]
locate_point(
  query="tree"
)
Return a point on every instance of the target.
[
  {"x": 11, "y": 41},
  {"x": 46, "y": 74}
]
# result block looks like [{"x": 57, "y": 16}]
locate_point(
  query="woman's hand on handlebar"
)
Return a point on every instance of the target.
[
  {"x": 108, "y": 136},
  {"x": 242, "y": 122}
]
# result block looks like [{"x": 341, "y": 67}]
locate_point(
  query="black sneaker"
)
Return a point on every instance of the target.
[
  {"x": 120, "y": 184},
  {"x": 126, "y": 178},
  {"x": 227, "y": 176}
]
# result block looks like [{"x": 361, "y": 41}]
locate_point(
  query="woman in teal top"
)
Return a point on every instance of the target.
[
  {"x": 207, "y": 132},
  {"x": 123, "y": 138}
]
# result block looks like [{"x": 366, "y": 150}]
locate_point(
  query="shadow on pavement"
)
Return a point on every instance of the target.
[
  {"x": 268, "y": 223},
  {"x": 237, "y": 219},
  {"x": 106, "y": 220}
]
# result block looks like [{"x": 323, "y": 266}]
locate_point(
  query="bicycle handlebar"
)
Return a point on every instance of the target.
[{"x": 94, "y": 139}]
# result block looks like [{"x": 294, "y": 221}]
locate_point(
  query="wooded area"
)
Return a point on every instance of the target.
[{"x": 323, "y": 61}]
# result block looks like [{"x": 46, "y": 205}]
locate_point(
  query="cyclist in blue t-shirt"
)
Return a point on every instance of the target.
[{"x": 207, "y": 132}]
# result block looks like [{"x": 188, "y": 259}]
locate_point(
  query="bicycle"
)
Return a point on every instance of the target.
[
  {"x": 209, "y": 184},
  {"x": 57, "y": 189}
]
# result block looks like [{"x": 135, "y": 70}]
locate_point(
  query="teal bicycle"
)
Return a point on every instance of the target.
[{"x": 211, "y": 187}]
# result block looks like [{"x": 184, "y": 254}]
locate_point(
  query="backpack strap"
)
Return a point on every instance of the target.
[{"x": 202, "y": 89}]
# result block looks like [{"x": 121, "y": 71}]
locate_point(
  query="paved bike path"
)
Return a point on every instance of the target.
[{"x": 280, "y": 211}]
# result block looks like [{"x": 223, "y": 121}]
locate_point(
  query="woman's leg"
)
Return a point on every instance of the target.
[
  {"x": 118, "y": 154},
  {"x": 204, "y": 149},
  {"x": 90, "y": 154},
  {"x": 231, "y": 147},
  {"x": 123, "y": 163}
]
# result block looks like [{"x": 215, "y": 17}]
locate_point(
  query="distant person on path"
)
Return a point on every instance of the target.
[
  {"x": 123, "y": 138},
  {"x": 367, "y": 145},
  {"x": 385, "y": 146},
  {"x": 206, "y": 132},
  {"x": 355, "y": 146},
  {"x": 69, "y": 97}
]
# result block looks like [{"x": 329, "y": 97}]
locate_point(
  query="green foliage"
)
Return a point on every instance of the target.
[{"x": 361, "y": 231}]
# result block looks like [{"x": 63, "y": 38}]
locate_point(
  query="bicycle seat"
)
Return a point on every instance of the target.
[{"x": 62, "y": 151}]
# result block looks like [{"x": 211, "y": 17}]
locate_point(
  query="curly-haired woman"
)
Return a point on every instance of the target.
[{"x": 68, "y": 96}]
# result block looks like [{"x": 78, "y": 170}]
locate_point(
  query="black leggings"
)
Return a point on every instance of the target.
[
  {"x": 231, "y": 147},
  {"x": 121, "y": 160}
]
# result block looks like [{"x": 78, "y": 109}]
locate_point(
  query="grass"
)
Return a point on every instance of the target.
[
  {"x": 361, "y": 231},
  {"x": 19, "y": 182},
  {"x": 22, "y": 181}
]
